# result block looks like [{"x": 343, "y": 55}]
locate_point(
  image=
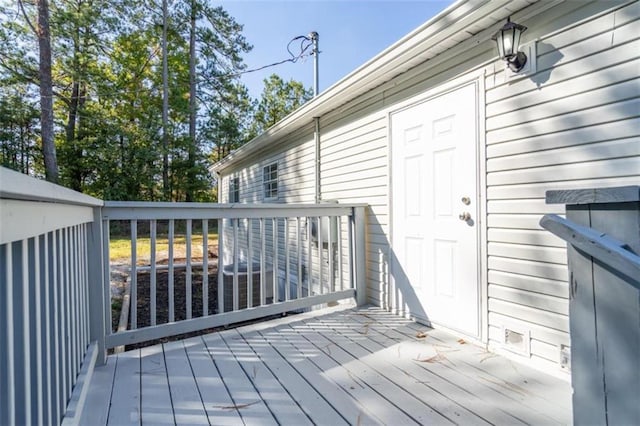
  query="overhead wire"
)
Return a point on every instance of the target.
[
  {"x": 293, "y": 59},
  {"x": 305, "y": 44}
]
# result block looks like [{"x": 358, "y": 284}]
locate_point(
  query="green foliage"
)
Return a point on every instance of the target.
[
  {"x": 279, "y": 98},
  {"x": 19, "y": 121},
  {"x": 107, "y": 77}
]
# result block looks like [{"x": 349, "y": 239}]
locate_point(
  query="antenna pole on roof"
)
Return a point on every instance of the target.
[{"x": 316, "y": 52}]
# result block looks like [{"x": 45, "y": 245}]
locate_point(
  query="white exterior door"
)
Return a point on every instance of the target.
[{"x": 435, "y": 234}]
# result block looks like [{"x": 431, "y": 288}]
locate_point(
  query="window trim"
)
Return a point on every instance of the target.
[
  {"x": 234, "y": 188},
  {"x": 269, "y": 169}
]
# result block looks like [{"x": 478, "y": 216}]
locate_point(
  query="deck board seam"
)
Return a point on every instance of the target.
[
  {"x": 362, "y": 409},
  {"x": 273, "y": 373},
  {"x": 414, "y": 327},
  {"x": 437, "y": 376},
  {"x": 399, "y": 385},
  {"x": 382, "y": 374},
  {"x": 166, "y": 372},
  {"x": 248, "y": 375},
  {"x": 235, "y": 358},
  {"x": 499, "y": 389},
  {"x": 355, "y": 375},
  {"x": 204, "y": 407},
  {"x": 449, "y": 368},
  {"x": 303, "y": 378},
  {"x": 113, "y": 384},
  {"x": 224, "y": 382}
]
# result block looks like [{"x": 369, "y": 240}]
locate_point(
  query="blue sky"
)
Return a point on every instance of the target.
[{"x": 351, "y": 32}]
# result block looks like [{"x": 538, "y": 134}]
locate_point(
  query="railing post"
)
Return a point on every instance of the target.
[
  {"x": 97, "y": 302},
  {"x": 360, "y": 254}
]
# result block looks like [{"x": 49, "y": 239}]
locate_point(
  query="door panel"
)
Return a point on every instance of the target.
[{"x": 435, "y": 246}]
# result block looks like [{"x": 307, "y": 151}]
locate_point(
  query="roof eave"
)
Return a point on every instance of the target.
[{"x": 358, "y": 81}]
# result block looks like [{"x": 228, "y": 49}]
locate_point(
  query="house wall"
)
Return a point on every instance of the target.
[{"x": 572, "y": 124}]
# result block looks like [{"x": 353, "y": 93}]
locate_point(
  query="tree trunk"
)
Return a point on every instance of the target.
[
  {"x": 165, "y": 105},
  {"x": 191, "y": 160},
  {"x": 46, "y": 93}
]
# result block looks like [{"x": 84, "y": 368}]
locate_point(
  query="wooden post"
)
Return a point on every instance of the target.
[
  {"x": 603, "y": 233},
  {"x": 360, "y": 254},
  {"x": 97, "y": 302}
]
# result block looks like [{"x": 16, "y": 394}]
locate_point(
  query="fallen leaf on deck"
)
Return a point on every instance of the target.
[
  {"x": 488, "y": 357},
  {"x": 435, "y": 358},
  {"x": 421, "y": 335},
  {"x": 236, "y": 406},
  {"x": 462, "y": 341}
]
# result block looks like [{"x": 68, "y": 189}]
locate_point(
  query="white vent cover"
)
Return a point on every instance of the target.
[
  {"x": 516, "y": 340},
  {"x": 565, "y": 357}
]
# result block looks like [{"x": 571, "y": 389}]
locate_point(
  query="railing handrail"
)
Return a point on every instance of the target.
[
  {"x": 125, "y": 210},
  {"x": 17, "y": 186},
  {"x": 597, "y": 244}
]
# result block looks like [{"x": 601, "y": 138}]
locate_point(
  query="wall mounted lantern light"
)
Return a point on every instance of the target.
[{"x": 508, "y": 40}]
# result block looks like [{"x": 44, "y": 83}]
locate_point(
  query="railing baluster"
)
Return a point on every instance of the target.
[
  {"x": 75, "y": 302},
  {"x": 26, "y": 347},
  {"x": 276, "y": 297},
  {"x": 339, "y": 242},
  {"x": 81, "y": 286},
  {"x": 170, "y": 277},
  {"x": 205, "y": 267},
  {"x": 84, "y": 282},
  {"x": 220, "y": 266},
  {"x": 236, "y": 261},
  {"x": 152, "y": 277},
  {"x": 320, "y": 257},
  {"x": 287, "y": 260},
  {"x": 35, "y": 268},
  {"x": 263, "y": 274},
  {"x": 46, "y": 274},
  {"x": 299, "y": 256},
  {"x": 188, "y": 272},
  {"x": 133, "y": 279},
  {"x": 106, "y": 238},
  {"x": 331, "y": 260},
  {"x": 9, "y": 350},
  {"x": 58, "y": 362},
  {"x": 352, "y": 267},
  {"x": 67, "y": 325},
  {"x": 309, "y": 257},
  {"x": 249, "y": 263}
]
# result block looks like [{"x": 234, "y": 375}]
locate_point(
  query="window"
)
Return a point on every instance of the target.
[
  {"x": 270, "y": 181},
  {"x": 234, "y": 189}
]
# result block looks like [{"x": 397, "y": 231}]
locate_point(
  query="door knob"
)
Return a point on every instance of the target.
[
  {"x": 466, "y": 216},
  {"x": 466, "y": 201}
]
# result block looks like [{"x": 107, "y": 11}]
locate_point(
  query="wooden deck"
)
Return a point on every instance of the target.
[{"x": 353, "y": 366}]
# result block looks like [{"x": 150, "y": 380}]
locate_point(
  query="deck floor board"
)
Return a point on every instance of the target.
[
  {"x": 215, "y": 397},
  {"x": 155, "y": 397},
  {"x": 279, "y": 385},
  {"x": 355, "y": 366}
]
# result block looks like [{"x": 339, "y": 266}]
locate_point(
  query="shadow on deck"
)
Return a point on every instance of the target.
[{"x": 343, "y": 366}]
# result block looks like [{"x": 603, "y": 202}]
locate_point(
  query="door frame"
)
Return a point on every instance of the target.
[{"x": 389, "y": 290}]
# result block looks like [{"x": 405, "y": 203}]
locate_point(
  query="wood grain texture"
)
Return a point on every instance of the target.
[
  {"x": 620, "y": 194},
  {"x": 337, "y": 366}
]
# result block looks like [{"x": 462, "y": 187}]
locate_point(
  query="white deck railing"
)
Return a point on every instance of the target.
[
  {"x": 55, "y": 303},
  {"x": 46, "y": 239},
  {"x": 271, "y": 259}
]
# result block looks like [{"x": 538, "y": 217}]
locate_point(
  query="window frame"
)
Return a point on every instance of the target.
[
  {"x": 234, "y": 189},
  {"x": 270, "y": 184}
]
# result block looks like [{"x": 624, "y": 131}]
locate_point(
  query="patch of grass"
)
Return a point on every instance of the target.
[{"x": 120, "y": 247}]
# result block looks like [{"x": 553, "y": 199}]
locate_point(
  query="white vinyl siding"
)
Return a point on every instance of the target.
[{"x": 574, "y": 124}]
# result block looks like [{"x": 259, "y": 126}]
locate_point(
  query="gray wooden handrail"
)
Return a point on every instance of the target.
[{"x": 606, "y": 249}]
